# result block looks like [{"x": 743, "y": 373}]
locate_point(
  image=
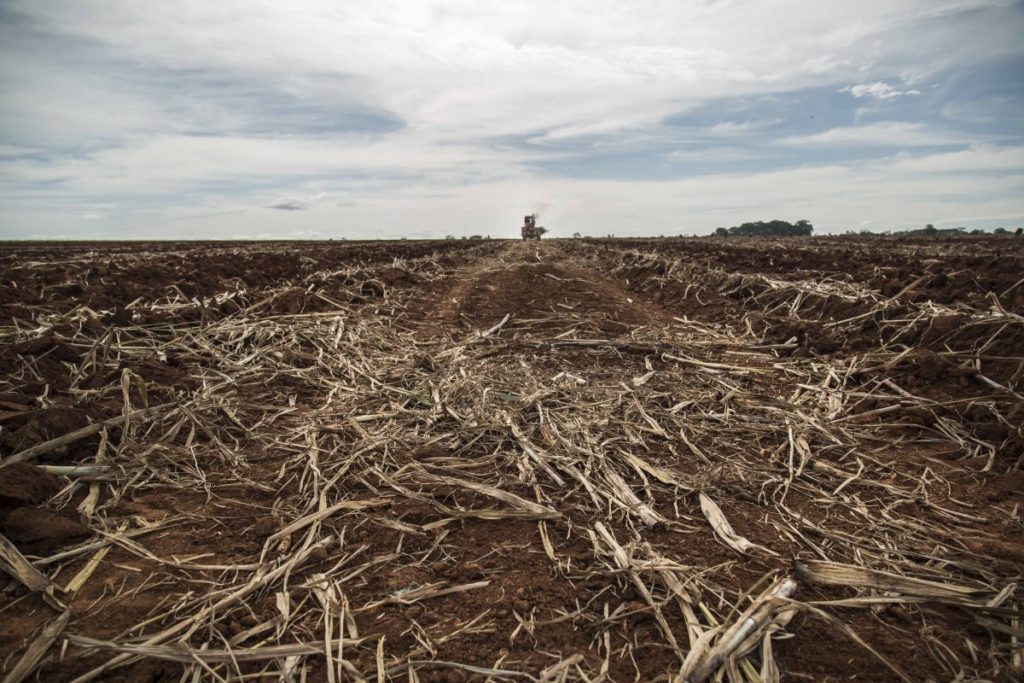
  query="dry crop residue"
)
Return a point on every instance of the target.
[{"x": 586, "y": 460}]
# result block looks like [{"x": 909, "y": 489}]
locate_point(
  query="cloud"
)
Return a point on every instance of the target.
[
  {"x": 174, "y": 163},
  {"x": 733, "y": 128},
  {"x": 885, "y": 134},
  {"x": 978, "y": 187},
  {"x": 878, "y": 90},
  {"x": 288, "y": 204},
  {"x": 490, "y": 68},
  {"x": 295, "y": 203},
  {"x": 724, "y": 154},
  {"x": 978, "y": 159}
]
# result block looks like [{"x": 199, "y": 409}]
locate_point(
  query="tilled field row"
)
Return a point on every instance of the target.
[{"x": 563, "y": 461}]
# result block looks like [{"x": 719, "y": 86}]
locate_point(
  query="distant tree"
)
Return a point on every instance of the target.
[
  {"x": 542, "y": 231},
  {"x": 449, "y": 237},
  {"x": 1000, "y": 231},
  {"x": 721, "y": 232},
  {"x": 1018, "y": 232},
  {"x": 576, "y": 235},
  {"x": 775, "y": 228},
  {"x": 930, "y": 230},
  {"x": 475, "y": 237}
]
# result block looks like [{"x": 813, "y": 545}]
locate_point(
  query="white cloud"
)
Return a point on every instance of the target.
[
  {"x": 965, "y": 188},
  {"x": 718, "y": 154},
  {"x": 731, "y": 128},
  {"x": 164, "y": 163},
  {"x": 493, "y": 68},
  {"x": 977, "y": 159},
  {"x": 886, "y": 133},
  {"x": 878, "y": 90}
]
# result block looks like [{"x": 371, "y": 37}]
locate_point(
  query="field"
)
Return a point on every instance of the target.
[{"x": 583, "y": 460}]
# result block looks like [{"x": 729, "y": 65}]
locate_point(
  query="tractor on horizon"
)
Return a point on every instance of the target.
[{"x": 530, "y": 229}]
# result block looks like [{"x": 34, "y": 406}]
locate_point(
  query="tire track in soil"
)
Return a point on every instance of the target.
[
  {"x": 544, "y": 289},
  {"x": 550, "y": 293}
]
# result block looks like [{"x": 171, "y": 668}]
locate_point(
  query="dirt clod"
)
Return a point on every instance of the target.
[
  {"x": 23, "y": 484},
  {"x": 266, "y": 526},
  {"x": 41, "y": 531}
]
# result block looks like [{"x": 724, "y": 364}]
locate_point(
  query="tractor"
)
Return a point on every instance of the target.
[{"x": 530, "y": 230}]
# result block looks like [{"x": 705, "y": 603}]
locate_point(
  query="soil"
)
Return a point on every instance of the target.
[
  {"x": 288, "y": 378},
  {"x": 23, "y": 484},
  {"x": 41, "y": 531}
]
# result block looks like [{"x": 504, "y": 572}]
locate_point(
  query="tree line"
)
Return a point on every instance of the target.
[
  {"x": 778, "y": 228},
  {"x": 930, "y": 230},
  {"x": 775, "y": 228}
]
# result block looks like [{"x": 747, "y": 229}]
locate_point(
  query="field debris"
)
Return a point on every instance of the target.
[{"x": 679, "y": 460}]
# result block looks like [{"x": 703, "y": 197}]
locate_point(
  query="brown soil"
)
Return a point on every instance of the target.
[
  {"x": 289, "y": 378},
  {"x": 41, "y": 531},
  {"x": 24, "y": 484}
]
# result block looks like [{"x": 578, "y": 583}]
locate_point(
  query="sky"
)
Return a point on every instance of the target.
[{"x": 316, "y": 119}]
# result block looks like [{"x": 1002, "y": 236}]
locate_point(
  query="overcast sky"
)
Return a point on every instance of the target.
[{"x": 320, "y": 118}]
